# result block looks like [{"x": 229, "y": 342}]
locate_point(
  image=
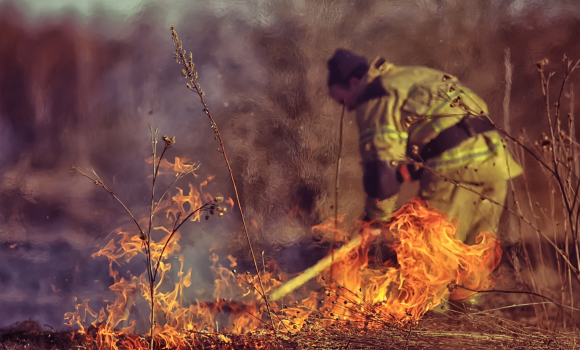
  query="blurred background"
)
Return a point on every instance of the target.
[{"x": 81, "y": 81}]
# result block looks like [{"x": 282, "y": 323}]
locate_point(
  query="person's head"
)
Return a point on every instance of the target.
[{"x": 345, "y": 70}]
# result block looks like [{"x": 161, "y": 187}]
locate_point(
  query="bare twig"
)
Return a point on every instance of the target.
[
  {"x": 176, "y": 228},
  {"x": 100, "y": 183},
  {"x": 179, "y": 176},
  {"x": 154, "y": 135},
  {"x": 336, "y": 185},
  {"x": 517, "y": 305},
  {"x": 508, "y": 88}
]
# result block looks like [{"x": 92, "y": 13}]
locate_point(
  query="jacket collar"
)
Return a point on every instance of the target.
[
  {"x": 379, "y": 66},
  {"x": 371, "y": 87}
]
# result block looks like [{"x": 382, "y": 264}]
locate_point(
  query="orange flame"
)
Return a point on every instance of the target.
[
  {"x": 192, "y": 199},
  {"x": 166, "y": 167},
  {"x": 429, "y": 258},
  {"x": 112, "y": 323}
]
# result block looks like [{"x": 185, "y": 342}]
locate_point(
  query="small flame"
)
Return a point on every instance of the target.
[
  {"x": 166, "y": 167},
  {"x": 192, "y": 200}
]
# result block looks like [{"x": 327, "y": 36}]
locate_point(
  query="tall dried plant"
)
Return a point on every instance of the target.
[
  {"x": 152, "y": 262},
  {"x": 191, "y": 75}
]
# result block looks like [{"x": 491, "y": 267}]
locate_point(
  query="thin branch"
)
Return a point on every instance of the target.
[
  {"x": 518, "y": 305},
  {"x": 154, "y": 135},
  {"x": 545, "y": 90},
  {"x": 336, "y": 185},
  {"x": 569, "y": 70},
  {"x": 502, "y": 131},
  {"x": 175, "y": 229},
  {"x": 100, "y": 183},
  {"x": 178, "y": 177},
  {"x": 517, "y": 142}
]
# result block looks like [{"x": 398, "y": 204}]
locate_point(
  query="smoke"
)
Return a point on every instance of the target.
[{"x": 82, "y": 89}]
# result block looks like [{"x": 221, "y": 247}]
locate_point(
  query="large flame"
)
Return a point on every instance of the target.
[{"x": 428, "y": 259}]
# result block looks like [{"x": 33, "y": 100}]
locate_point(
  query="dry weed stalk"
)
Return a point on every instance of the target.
[
  {"x": 191, "y": 75},
  {"x": 336, "y": 185},
  {"x": 145, "y": 235},
  {"x": 559, "y": 164}
]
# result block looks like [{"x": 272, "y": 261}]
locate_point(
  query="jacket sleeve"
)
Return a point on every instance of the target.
[
  {"x": 380, "y": 179},
  {"x": 381, "y": 185},
  {"x": 382, "y": 148},
  {"x": 379, "y": 210}
]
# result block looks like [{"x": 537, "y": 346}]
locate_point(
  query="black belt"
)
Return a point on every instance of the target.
[{"x": 452, "y": 137}]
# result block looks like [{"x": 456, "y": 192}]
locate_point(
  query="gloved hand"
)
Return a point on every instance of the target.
[
  {"x": 376, "y": 210},
  {"x": 382, "y": 179},
  {"x": 408, "y": 172}
]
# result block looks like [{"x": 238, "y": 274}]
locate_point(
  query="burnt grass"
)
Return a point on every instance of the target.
[
  {"x": 30, "y": 335},
  {"x": 435, "y": 331}
]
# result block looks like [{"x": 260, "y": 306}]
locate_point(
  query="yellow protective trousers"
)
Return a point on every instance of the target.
[{"x": 477, "y": 207}]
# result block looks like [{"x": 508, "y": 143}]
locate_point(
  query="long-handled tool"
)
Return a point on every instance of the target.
[{"x": 314, "y": 270}]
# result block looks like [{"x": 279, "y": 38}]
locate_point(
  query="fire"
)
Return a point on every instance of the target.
[
  {"x": 361, "y": 291},
  {"x": 429, "y": 258},
  {"x": 166, "y": 167},
  {"x": 192, "y": 199},
  {"x": 112, "y": 326}
]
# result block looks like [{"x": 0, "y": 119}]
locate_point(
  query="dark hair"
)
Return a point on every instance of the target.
[{"x": 345, "y": 65}]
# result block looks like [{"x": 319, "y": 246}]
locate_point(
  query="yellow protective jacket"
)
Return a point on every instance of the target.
[{"x": 401, "y": 109}]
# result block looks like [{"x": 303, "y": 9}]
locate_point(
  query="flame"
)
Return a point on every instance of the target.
[
  {"x": 429, "y": 259},
  {"x": 192, "y": 199},
  {"x": 180, "y": 165},
  {"x": 112, "y": 326},
  {"x": 230, "y": 201}
]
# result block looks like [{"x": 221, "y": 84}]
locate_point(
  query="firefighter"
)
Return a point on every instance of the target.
[{"x": 420, "y": 124}]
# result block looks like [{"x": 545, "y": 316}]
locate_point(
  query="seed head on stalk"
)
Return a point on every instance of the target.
[{"x": 191, "y": 75}]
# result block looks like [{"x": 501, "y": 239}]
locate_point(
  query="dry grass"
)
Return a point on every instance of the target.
[{"x": 459, "y": 331}]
